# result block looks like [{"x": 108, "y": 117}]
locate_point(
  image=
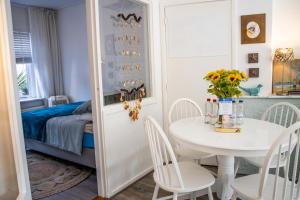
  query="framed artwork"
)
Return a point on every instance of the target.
[
  {"x": 253, "y": 58},
  {"x": 286, "y": 78},
  {"x": 253, "y": 29},
  {"x": 253, "y": 72}
]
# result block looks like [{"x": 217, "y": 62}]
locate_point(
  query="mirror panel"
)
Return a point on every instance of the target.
[{"x": 125, "y": 48}]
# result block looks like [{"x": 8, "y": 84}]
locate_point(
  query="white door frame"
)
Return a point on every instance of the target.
[
  {"x": 155, "y": 97},
  {"x": 94, "y": 47},
  {"x": 6, "y": 44},
  {"x": 12, "y": 99},
  {"x": 170, "y": 3}
]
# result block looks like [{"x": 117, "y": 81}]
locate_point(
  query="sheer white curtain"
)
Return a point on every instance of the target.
[{"x": 46, "y": 60}]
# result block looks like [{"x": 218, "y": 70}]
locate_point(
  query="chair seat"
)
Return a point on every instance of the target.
[
  {"x": 247, "y": 187},
  {"x": 191, "y": 154},
  {"x": 194, "y": 178}
]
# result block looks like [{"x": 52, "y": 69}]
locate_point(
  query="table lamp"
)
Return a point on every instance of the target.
[{"x": 283, "y": 55}]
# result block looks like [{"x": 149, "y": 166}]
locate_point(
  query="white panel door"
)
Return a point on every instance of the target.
[
  {"x": 198, "y": 30},
  {"x": 197, "y": 40}
]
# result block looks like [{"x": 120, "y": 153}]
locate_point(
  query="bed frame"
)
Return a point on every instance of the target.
[{"x": 87, "y": 158}]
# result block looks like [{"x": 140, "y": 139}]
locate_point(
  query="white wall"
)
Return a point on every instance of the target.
[
  {"x": 248, "y": 7},
  {"x": 243, "y": 7},
  {"x": 286, "y": 25},
  {"x": 74, "y": 50},
  {"x": 20, "y": 18}
]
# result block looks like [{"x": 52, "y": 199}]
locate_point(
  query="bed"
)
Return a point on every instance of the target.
[{"x": 36, "y": 133}]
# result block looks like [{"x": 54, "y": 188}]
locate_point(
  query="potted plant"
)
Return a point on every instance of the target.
[{"x": 225, "y": 84}]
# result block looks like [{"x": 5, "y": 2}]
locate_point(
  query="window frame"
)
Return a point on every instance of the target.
[{"x": 23, "y": 53}]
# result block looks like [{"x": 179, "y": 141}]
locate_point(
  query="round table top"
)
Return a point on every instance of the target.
[{"x": 255, "y": 138}]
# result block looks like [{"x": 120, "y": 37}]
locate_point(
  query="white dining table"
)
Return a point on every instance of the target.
[{"x": 254, "y": 140}]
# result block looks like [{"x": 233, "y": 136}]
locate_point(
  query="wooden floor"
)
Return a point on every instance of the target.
[
  {"x": 143, "y": 190},
  {"x": 87, "y": 190}
]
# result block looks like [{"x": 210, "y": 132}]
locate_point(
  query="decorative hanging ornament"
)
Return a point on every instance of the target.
[{"x": 133, "y": 107}]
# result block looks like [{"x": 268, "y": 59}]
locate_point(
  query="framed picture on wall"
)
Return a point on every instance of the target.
[
  {"x": 253, "y": 72},
  {"x": 253, "y": 29},
  {"x": 253, "y": 58}
]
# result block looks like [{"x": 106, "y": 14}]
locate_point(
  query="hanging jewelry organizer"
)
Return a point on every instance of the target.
[
  {"x": 132, "y": 91},
  {"x": 125, "y": 70},
  {"x": 134, "y": 107}
]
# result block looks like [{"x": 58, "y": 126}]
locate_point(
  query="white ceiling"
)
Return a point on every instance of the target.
[{"x": 54, "y": 4}]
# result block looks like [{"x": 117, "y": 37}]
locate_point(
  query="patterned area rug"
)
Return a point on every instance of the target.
[{"x": 49, "y": 176}]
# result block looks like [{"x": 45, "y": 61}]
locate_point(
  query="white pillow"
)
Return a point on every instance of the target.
[{"x": 86, "y": 116}]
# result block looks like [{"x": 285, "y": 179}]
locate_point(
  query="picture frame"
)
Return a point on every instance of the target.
[
  {"x": 253, "y": 73},
  {"x": 253, "y": 58},
  {"x": 253, "y": 29}
]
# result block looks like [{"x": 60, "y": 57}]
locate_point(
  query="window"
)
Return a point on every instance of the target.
[
  {"x": 23, "y": 53},
  {"x": 22, "y": 80}
]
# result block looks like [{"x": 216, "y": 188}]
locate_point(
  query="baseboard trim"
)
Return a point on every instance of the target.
[{"x": 131, "y": 181}]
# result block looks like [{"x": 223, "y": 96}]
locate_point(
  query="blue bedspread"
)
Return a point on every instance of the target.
[
  {"x": 34, "y": 122},
  {"x": 88, "y": 141}
]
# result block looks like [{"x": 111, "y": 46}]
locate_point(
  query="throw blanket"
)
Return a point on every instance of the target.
[
  {"x": 66, "y": 133},
  {"x": 34, "y": 122}
]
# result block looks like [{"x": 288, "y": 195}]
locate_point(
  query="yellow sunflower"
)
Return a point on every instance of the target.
[
  {"x": 239, "y": 77},
  {"x": 243, "y": 75},
  {"x": 215, "y": 77},
  {"x": 221, "y": 71},
  {"x": 210, "y": 75},
  {"x": 231, "y": 77}
]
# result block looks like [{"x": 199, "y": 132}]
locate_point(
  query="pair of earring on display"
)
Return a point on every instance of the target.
[
  {"x": 127, "y": 25},
  {"x": 126, "y": 67},
  {"x": 129, "y": 53}
]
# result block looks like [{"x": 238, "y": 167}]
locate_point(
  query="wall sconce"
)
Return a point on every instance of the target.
[{"x": 283, "y": 55}]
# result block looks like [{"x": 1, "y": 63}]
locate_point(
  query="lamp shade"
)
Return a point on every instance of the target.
[{"x": 284, "y": 55}]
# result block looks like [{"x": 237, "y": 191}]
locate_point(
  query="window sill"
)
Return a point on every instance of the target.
[
  {"x": 29, "y": 99},
  {"x": 29, "y": 104},
  {"x": 271, "y": 97}
]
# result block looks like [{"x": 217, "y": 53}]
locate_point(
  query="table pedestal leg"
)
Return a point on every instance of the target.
[{"x": 225, "y": 177}]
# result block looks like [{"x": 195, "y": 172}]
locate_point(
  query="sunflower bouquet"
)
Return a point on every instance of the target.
[{"x": 225, "y": 83}]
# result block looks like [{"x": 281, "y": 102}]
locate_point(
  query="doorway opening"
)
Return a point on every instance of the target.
[{"x": 53, "y": 79}]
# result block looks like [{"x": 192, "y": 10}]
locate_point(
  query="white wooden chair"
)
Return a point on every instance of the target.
[
  {"x": 181, "y": 109},
  {"x": 177, "y": 177},
  {"x": 284, "y": 114},
  {"x": 266, "y": 186}
]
